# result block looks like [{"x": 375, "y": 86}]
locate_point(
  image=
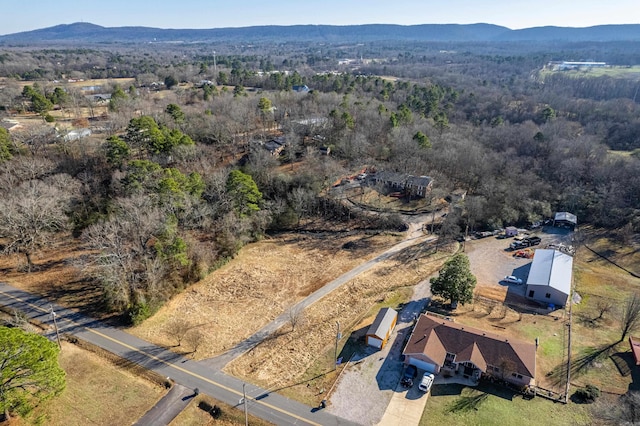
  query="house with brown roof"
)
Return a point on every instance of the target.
[
  {"x": 635, "y": 348},
  {"x": 444, "y": 347}
]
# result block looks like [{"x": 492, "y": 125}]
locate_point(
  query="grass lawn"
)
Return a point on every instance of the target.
[
  {"x": 97, "y": 393},
  {"x": 493, "y": 405}
]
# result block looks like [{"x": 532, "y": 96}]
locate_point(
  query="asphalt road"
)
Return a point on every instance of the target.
[{"x": 191, "y": 374}]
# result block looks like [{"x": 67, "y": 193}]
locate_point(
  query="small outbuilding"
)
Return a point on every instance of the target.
[
  {"x": 380, "y": 331},
  {"x": 565, "y": 220},
  {"x": 550, "y": 277},
  {"x": 510, "y": 231}
]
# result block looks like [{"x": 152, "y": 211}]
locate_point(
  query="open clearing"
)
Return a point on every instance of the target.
[
  {"x": 97, "y": 393},
  {"x": 263, "y": 280}
]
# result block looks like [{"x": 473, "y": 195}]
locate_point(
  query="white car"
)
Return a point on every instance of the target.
[
  {"x": 426, "y": 382},
  {"x": 512, "y": 280}
]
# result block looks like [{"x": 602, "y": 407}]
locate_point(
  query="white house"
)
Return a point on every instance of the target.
[{"x": 550, "y": 277}]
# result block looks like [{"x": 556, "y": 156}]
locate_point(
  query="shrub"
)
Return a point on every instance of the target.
[
  {"x": 49, "y": 118},
  {"x": 587, "y": 394}
]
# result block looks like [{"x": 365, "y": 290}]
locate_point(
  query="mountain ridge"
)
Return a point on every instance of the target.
[{"x": 91, "y": 33}]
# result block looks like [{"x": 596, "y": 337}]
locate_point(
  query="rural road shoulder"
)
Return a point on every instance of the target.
[{"x": 188, "y": 373}]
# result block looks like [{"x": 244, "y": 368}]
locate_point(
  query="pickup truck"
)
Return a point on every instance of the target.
[{"x": 525, "y": 242}]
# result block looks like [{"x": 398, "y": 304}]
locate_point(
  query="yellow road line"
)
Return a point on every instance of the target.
[{"x": 295, "y": 416}]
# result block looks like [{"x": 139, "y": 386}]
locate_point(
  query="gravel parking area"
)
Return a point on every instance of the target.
[{"x": 491, "y": 260}]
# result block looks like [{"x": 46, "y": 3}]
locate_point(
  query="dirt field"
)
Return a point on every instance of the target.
[
  {"x": 258, "y": 285},
  {"x": 95, "y": 388}
]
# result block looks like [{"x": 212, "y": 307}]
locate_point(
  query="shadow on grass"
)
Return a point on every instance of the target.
[
  {"x": 581, "y": 363},
  {"x": 468, "y": 403}
]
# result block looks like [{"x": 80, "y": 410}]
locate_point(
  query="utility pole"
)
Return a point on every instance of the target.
[
  {"x": 335, "y": 358},
  {"x": 244, "y": 399},
  {"x": 55, "y": 324}
]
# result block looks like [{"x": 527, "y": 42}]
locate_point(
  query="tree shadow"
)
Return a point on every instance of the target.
[
  {"x": 468, "y": 403},
  {"x": 580, "y": 364}
]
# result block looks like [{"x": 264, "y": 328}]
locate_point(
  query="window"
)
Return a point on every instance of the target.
[
  {"x": 516, "y": 375},
  {"x": 530, "y": 293},
  {"x": 548, "y": 295},
  {"x": 450, "y": 357}
]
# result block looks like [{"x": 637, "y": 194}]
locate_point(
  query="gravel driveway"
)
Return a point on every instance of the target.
[{"x": 366, "y": 387}]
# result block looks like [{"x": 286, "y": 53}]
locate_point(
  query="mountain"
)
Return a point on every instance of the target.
[{"x": 90, "y": 33}]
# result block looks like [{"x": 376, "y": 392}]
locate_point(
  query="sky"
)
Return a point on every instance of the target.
[{"x": 513, "y": 14}]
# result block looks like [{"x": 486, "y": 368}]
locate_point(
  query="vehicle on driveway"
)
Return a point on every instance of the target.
[
  {"x": 426, "y": 382},
  {"x": 512, "y": 280},
  {"x": 410, "y": 373}
]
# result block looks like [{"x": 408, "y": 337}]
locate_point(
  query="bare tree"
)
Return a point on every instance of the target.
[
  {"x": 603, "y": 306},
  {"x": 630, "y": 319},
  {"x": 194, "y": 339},
  {"x": 178, "y": 329},
  {"x": 33, "y": 212},
  {"x": 295, "y": 316}
]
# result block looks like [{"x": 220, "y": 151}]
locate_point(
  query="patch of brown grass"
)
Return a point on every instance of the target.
[
  {"x": 97, "y": 392},
  {"x": 193, "y": 415},
  {"x": 258, "y": 285},
  {"x": 300, "y": 363}
]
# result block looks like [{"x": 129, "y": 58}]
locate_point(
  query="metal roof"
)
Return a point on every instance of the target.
[
  {"x": 382, "y": 323},
  {"x": 551, "y": 268},
  {"x": 569, "y": 217}
]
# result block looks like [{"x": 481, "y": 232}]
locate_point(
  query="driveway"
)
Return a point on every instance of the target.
[
  {"x": 370, "y": 385},
  {"x": 406, "y": 406}
]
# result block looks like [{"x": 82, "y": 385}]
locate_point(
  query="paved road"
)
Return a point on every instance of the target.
[
  {"x": 414, "y": 236},
  {"x": 168, "y": 407},
  {"x": 191, "y": 374}
]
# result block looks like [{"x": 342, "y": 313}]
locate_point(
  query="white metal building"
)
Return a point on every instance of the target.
[{"x": 550, "y": 276}]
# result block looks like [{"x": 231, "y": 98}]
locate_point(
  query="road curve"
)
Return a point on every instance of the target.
[{"x": 191, "y": 374}]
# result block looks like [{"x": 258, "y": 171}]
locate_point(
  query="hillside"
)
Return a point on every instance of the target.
[{"x": 90, "y": 33}]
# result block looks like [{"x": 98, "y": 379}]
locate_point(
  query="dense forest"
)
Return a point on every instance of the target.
[{"x": 175, "y": 179}]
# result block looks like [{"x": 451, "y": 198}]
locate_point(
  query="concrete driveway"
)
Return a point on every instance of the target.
[{"x": 406, "y": 406}]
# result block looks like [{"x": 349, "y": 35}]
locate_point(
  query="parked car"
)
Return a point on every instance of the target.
[
  {"x": 426, "y": 382},
  {"x": 512, "y": 280},
  {"x": 410, "y": 373},
  {"x": 533, "y": 241}
]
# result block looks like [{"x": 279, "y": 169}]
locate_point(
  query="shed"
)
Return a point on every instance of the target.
[
  {"x": 379, "y": 332},
  {"x": 550, "y": 277},
  {"x": 565, "y": 220},
  {"x": 510, "y": 231}
]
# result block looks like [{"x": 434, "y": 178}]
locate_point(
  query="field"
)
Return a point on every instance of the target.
[
  {"x": 97, "y": 393},
  {"x": 629, "y": 72},
  {"x": 262, "y": 281}
]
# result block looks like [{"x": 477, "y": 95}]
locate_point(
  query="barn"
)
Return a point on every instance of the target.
[
  {"x": 379, "y": 332},
  {"x": 565, "y": 220},
  {"x": 550, "y": 277}
]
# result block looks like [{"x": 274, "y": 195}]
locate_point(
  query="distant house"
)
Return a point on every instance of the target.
[
  {"x": 565, "y": 220},
  {"x": 275, "y": 146},
  {"x": 300, "y": 89},
  {"x": 325, "y": 150},
  {"x": 550, "y": 277},
  {"x": 444, "y": 347},
  {"x": 77, "y": 134},
  {"x": 10, "y": 125},
  {"x": 380, "y": 331},
  {"x": 413, "y": 185}
]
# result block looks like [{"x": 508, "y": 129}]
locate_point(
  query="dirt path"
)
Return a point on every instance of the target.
[{"x": 414, "y": 236}]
